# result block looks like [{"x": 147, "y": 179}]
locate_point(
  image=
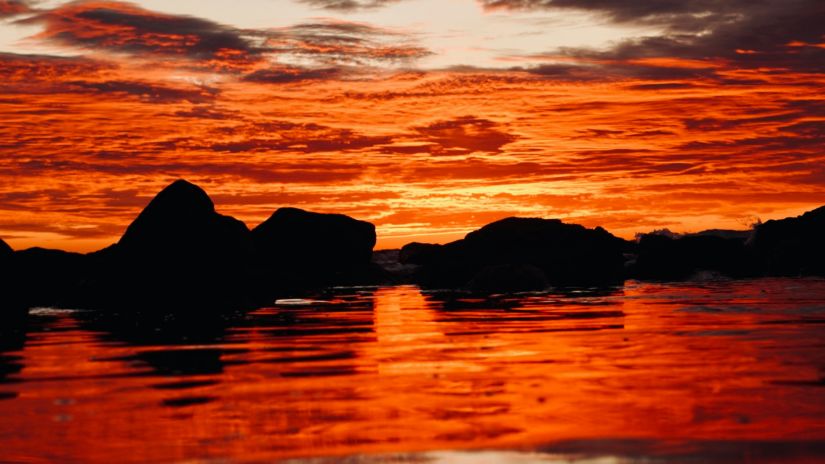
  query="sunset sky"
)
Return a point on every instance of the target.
[{"x": 428, "y": 118}]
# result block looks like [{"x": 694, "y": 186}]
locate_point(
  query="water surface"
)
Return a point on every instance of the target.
[{"x": 694, "y": 372}]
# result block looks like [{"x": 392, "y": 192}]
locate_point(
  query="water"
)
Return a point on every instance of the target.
[{"x": 700, "y": 372}]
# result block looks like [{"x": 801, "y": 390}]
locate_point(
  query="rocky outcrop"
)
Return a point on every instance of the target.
[
  {"x": 181, "y": 223},
  {"x": 38, "y": 277},
  {"x": 180, "y": 255},
  {"x": 661, "y": 257},
  {"x": 300, "y": 248},
  {"x": 792, "y": 246},
  {"x": 566, "y": 254},
  {"x": 178, "y": 252}
]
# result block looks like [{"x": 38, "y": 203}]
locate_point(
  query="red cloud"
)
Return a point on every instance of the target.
[
  {"x": 13, "y": 8},
  {"x": 125, "y": 28},
  {"x": 466, "y": 135}
]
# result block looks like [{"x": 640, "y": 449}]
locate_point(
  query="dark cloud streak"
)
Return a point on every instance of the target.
[
  {"x": 464, "y": 135},
  {"x": 339, "y": 42},
  {"x": 768, "y": 34},
  {"x": 349, "y": 5},
  {"x": 301, "y": 52},
  {"x": 126, "y": 28}
]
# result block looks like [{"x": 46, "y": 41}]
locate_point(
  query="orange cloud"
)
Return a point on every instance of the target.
[{"x": 621, "y": 139}]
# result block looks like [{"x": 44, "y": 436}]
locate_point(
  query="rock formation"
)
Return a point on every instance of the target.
[
  {"x": 792, "y": 246},
  {"x": 667, "y": 258},
  {"x": 301, "y": 248},
  {"x": 178, "y": 252},
  {"x": 566, "y": 254}
]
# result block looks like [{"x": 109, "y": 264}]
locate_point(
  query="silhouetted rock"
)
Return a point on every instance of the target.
[
  {"x": 725, "y": 233},
  {"x": 181, "y": 223},
  {"x": 792, "y": 246},
  {"x": 419, "y": 253},
  {"x": 566, "y": 254},
  {"x": 12, "y": 338},
  {"x": 48, "y": 277},
  {"x": 39, "y": 277},
  {"x": 666, "y": 258},
  {"x": 178, "y": 254},
  {"x": 296, "y": 248}
]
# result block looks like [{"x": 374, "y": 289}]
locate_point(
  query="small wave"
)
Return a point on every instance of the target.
[
  {"x": 299, "y": 302},
  {"x": 53, "y": 311}
]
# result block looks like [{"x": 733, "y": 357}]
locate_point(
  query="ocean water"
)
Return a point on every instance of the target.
[{"x": 722, "y": 371}]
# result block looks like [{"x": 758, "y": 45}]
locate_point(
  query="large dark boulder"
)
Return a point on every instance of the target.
[
  {"x": 566, "y": 254},
  {"x": 296, "y": 248},
  {"x": 45, "y": 277},
  {"x": 675, "y": 258},
  {"x": 792, "y": 246},
  {"x": 419, "y": 253},
  {"x": 181, "y": 224},
  {"x": 179, "y": 254}
]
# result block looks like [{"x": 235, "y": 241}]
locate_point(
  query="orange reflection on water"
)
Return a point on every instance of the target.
[{"x": 397, "y": 370}]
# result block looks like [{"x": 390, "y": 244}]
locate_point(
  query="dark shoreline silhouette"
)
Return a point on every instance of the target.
[{"x": 180, "y": 255}]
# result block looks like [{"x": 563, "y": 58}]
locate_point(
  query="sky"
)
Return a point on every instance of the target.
[{"x": 428, "y": 118}]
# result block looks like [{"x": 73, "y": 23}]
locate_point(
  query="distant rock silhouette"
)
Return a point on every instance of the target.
[
  {"x": 566, "y": 254},
  {"x": 792, "y": 246},
  {"x": 39, "y": 277},
  {"x": 785, "y": 247},
  {"x": 725, "y": 233},
  {"x": 179, "y": 251},
  {"x": 421, "y": 254},
  {"x": 301, "y": 248},
  {"x": 667, "y": 258}
]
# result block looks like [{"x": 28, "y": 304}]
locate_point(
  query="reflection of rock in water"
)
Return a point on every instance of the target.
[
  {"x": 10, "y": 364},
  {"x": 150, "y": 329},
  {"x": 165, "y": 331},
  {"x": 508, "y": 278},
  {"x": 328, "y": 314},
  {"x": 184, "y": 362},
  {"x": 562, "y": 310}
]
